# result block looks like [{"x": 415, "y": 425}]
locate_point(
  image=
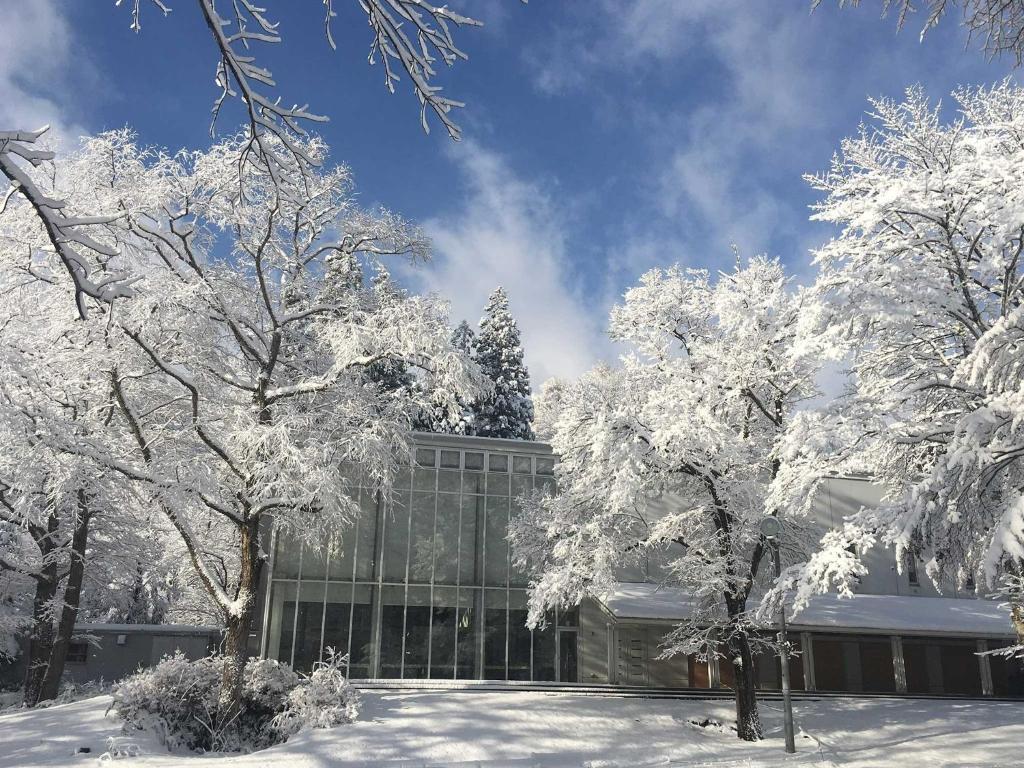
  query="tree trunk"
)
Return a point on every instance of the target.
[
  {"x": 40, "y": 638},
  {"x": 69, "y": 611},
  {"x": 748, "y": 720},
  {"x": 239, "y": 624}
]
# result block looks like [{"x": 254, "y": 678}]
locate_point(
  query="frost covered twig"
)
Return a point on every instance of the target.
[{"x": 65, "y": 233}]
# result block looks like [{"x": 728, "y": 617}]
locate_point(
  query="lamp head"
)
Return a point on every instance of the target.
[{"x": 771, "y": 528}]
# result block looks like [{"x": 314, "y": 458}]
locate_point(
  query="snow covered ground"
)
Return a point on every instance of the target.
[{"x": 518, "y": 730}]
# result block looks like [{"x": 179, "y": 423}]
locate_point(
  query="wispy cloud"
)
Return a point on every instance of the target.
[
  {"x": 758, "y": 95},
  {"x": 513, "y": 232},
  {"x": 35, "y": 59}
]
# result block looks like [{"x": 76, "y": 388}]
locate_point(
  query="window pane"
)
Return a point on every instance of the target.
[
  {"x": 495, "y": 634},
  {"x": 471, "y": 541},
  {"x": 915, "y": 665},
  {"x": 446, "y": 540},
  {"x": 442, "y": 632},
  {"x": 421, "y": 557},
  {"x": 391, "y": 631},
  {"x": 474, "y": 460},
  {"x": 522, "y": 464},
  {"x": 286, "y": 558},
  {"x": 282, "y": 616},
  {"x": 545, "y": 466},
  {"x": 961, "y": 673},
  {"x": 472, "y": 482},
  {"x": 497, "y": 484},
  {"x": 829, "y": 664},
  {"x": 361, "y": 646},
  {"x": 449, "y": 481},
  {"x": 425, "y": 457},
  {"x": 569, "y": 617},
  {"x": 337, "y": 614},
  {"x": 450, "y": 459},
  {"x": 497, "y": 462},
  {"x": 876, "y": 668},
  {"x": 519, "y": 638},
  {"x": 496, "y": 546},
  {"x": 516, "y": 576},
  {"x": 340, "y": 548},
  {"x": 367, "y": 561},
  {"x": 424, "y": 480},
  {"x": 417, "y": 632},
  {"x": 308, "y": 625},
  {"x": 314, "y": 562},
  {"x": 396, "y": 537},
  {"x": 468, "y": 639},
  {"x": 544, "y": 653},
  {"x": 521, "y": 484}
]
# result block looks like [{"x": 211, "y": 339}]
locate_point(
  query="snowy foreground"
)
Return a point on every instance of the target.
[{"x": 491, "y": 729}]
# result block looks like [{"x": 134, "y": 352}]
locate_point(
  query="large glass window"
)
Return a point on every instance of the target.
[{"x": 421, "y": 584}]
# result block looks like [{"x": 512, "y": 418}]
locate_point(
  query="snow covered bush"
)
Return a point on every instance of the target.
[
  {"x": 177, "y": 702},
  {"x": 323, "y": 700}
]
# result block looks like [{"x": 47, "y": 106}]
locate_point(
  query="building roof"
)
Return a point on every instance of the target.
[
  {"x": 472, "y": 442},
  {"x": 147, "y": 629},
  {"x": 888, "y": 614}
]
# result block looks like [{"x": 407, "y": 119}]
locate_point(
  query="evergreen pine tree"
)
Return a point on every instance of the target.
[{"x": 508, "y": 410}]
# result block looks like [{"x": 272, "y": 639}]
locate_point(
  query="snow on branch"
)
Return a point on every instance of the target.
[
  {"x": 409, "y": 36},
  {"x": 65, "y": 233}
]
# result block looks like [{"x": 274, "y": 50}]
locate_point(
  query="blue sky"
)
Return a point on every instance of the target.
[{"x": 601, "y": 137}]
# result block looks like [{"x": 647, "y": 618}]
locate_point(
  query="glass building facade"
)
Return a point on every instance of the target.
[{"x": 423, "y": 585}]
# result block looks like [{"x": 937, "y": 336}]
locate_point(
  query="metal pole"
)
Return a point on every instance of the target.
[{"x": 787, "y": 699}]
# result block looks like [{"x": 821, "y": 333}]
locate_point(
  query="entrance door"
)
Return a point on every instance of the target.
[{"x": 567, "y": 660}]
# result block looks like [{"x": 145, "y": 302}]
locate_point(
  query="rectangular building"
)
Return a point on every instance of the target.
[{"x": 423, "y": 587}]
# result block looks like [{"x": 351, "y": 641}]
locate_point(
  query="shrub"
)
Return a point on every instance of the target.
[
  {"x": 323, "y": 700},
  {"x": 176, "y": 700}
]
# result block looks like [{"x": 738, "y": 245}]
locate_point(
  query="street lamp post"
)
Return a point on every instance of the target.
[{"x": 771, "y": 529}]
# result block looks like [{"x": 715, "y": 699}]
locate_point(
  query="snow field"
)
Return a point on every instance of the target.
[{"x": 542, "y": 730}]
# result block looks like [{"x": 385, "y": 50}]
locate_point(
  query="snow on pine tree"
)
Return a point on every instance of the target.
[
  {"x": 922, "y": 294},
  {"x": 508, "y": 410},
  {"x": 668, "y": 458}
]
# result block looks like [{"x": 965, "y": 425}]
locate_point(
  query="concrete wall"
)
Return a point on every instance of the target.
[
  {"x": 840, "y": 497},
  {"x": 113, "y": 652},
  {"x": 593, "y": 643}
]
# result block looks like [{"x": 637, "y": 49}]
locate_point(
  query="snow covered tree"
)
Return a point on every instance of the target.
[
  {"x": 463, "y": 337},
  {"x": 922, "y": 293},
  {"x": 670, "y": 456},
  {"x": 508, "y": 410},
  {"x": 238, "y": 370},
  {"x": 439, "y": 419},
  {"x": 410, "y": 36},
  {"x": 51, "y": 503},
  {"x": 999, "y": 24}
]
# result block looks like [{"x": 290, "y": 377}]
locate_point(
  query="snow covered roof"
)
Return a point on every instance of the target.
[
  {"x": 868, "y": 613},
  {"x": 147, "y": 629}
]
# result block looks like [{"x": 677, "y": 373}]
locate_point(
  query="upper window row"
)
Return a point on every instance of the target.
[{"x": 474, "y": 460}]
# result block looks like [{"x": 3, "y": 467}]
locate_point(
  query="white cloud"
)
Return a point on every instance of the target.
[
  {"x": 512, "y": 232},
  {"x": 35, "y": 58}
]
